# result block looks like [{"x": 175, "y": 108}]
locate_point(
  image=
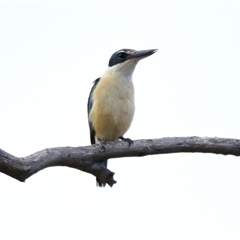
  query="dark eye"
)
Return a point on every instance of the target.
[{"x": 122, "y": 55}]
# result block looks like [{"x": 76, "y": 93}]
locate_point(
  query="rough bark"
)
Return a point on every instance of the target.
[{"x": 90, "y": 158}]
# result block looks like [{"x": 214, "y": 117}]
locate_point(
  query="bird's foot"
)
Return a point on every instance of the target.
[
  {"x": 101, "y": 144},
  {"x": 130, "y": 141}
]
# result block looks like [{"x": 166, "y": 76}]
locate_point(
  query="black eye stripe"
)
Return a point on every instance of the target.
[{"x": 122, "y": 55}]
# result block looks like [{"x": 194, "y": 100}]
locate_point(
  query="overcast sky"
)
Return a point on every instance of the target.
[{"x": 50, "y": 53}]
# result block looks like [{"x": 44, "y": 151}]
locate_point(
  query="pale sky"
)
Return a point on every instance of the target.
[{"x": 50, "y": 53}]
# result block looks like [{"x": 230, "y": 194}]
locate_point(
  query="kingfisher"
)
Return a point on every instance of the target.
[{"x": 111, "y": 100}]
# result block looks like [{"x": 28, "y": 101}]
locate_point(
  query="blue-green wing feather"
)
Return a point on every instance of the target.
[{"x": 89, "y": 108}]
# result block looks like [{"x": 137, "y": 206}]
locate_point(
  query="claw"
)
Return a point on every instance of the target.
[
  {"x": 130, "y": 141},
  {"x": 101, "y": 144}
]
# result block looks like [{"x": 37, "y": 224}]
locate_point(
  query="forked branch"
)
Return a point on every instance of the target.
[{"x": 90, "y": 158}]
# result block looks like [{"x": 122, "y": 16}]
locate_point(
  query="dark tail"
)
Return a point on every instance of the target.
[{"x": 99, "y": 182}]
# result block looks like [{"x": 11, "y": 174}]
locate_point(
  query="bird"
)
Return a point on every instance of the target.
[{"x": 111, "y": 100}]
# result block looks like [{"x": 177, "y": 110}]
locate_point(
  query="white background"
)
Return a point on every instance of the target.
[{"x": 50, "y": 53}]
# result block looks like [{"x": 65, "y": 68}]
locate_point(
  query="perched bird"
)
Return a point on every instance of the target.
[{"x": 111, "y": 100}]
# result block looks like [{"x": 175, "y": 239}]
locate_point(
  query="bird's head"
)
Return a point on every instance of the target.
[{"x": 125, "y": 60}]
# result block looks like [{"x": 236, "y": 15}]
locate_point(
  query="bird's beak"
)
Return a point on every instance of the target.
[{"x": 142, "y": 54}]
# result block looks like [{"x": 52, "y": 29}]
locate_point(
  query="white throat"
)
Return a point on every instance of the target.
[{"x": 123, "y": 70}]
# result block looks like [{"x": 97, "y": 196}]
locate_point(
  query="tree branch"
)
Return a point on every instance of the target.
[{"x": 90, "y": 158}]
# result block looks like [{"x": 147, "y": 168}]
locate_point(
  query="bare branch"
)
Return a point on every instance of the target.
[{"x": 90, "y": 158}]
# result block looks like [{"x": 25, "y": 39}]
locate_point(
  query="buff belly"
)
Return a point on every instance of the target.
[{"x": 113, "y": 109}]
